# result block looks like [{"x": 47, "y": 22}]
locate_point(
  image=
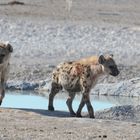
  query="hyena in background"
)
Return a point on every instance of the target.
[
  {"x": 81, "y": 76},
  {"x": 5, "y": 52}
]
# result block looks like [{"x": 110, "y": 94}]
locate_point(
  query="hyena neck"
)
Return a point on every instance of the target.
[
  {"x": 89, "y": 60},
  {"x": 97, "y": 70}
]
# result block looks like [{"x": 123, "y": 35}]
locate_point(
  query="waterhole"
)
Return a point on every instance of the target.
[{"x": 33, "y": 100}]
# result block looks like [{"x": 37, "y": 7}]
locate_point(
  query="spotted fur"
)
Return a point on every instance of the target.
[
  {"x": 5, "y": 53},
  {"x": 80, "y": 76}
]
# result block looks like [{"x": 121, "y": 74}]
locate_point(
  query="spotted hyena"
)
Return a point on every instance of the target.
[
  {"x": 5, "y": 52},
  {"x": 80, "y": 76}
]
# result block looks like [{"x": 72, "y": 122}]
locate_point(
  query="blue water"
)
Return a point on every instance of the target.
[{"x": 33, "y": 101}]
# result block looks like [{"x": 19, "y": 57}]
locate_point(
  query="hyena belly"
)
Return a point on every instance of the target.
[{"x": 69, "y": 82}]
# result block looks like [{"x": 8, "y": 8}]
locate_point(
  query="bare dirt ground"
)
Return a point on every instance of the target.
[
  {"x": 120, "y": 12},
  {"x": 16, "y": 124},
  {"x": 21, "y": 124}
]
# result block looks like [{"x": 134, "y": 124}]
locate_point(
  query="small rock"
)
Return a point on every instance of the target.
[{"x": 14, "y": 2}]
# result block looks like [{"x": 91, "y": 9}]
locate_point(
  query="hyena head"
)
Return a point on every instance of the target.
[
  {"x": 5, "y": 51},
  {"x": 109, "y": 64}
]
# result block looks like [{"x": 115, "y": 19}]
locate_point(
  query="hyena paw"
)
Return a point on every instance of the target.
[
  {"x": 78, "y": 115},
  {"x": 0, "y": 103},
  {"x": 72, "y": 114},
  {"x": 92, "y": 117},
  {"x": 51, "y": 108}
]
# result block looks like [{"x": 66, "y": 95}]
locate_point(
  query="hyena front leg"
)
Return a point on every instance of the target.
[
  {"x": 2, "y": 95},
  {"x": 84, "y": 91},
  {"x": 69, "y": 103},
  {"x": 89, "y": 107},
  {"x": 54, "y": 90},
  {"x": 82, "y": 103},
  {"x": 85, "y": 100},
  {"x": 2, "y": 90}
]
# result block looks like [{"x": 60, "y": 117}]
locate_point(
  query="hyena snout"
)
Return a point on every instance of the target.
[{"x": 114, "y": 71}]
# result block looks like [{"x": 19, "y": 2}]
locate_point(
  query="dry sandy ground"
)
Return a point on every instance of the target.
[
  {"x": 118, "y": 12},
  {"x": 42, "y": 30},
  {"x": 18, "y": 124}
]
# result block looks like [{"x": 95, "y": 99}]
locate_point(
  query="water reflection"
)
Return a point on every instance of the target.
[{"x": 18, "y": 99}]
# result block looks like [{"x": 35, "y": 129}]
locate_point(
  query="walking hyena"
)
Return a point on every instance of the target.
[
  {"x": 5, "y": 52},
  {"x": 80, "y": 76}
]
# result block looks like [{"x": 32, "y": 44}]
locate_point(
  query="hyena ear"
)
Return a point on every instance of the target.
[
  {"x": 101, "y": 59},
  {"x": 9, "y": 47},
  {"x": 111, "y": 55}
]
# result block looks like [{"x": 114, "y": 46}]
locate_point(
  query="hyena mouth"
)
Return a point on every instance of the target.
[
  {"x": 115, "y": 73},
  {"x": 1, "y": 61}
]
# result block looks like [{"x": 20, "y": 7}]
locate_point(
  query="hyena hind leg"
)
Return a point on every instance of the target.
[
  {"x": 54, "y": 90},
  {"x": 69, "y": 103}
]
